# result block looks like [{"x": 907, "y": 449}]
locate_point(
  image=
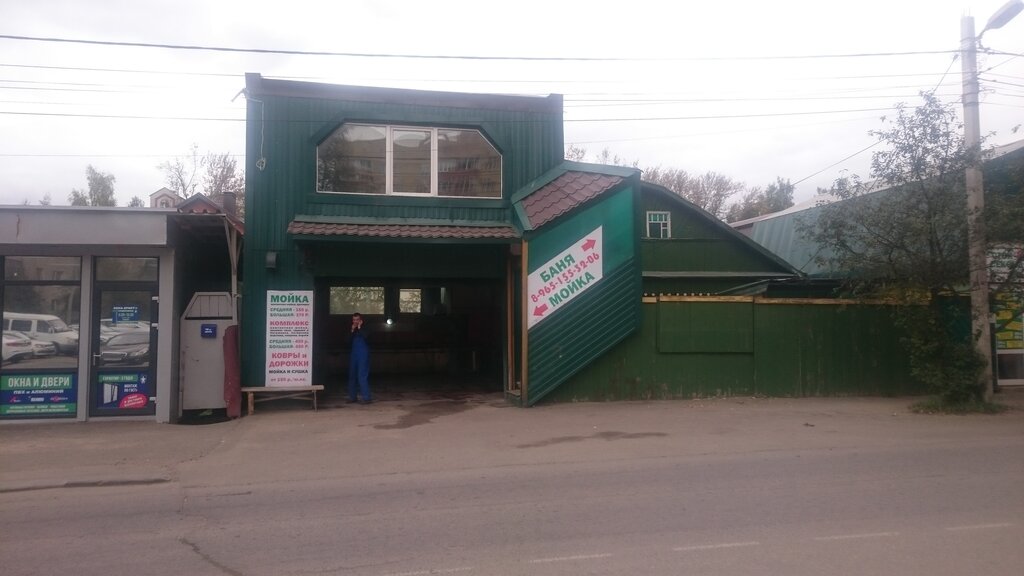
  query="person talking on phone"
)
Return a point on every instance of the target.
[{"x": 359, "y": 363}]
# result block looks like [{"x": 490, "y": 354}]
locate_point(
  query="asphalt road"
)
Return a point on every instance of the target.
[{"x": 796, "y": 488}]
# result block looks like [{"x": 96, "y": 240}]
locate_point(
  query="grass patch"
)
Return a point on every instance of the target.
[{"x": 936, "y": 405}]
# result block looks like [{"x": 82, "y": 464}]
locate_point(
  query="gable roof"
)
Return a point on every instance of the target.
[
  {"x": 722, "y": 227},
  {"x": 203, "y": 204},
  {"x": 564, "y": 188},
  {"x": 165, "y": 192},
  {"x": 777, "y": 231}
]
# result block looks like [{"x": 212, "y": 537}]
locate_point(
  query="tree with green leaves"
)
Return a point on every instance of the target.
[
  {"x": 99, "y": 193},
  {"x": 902, "y": 234}
]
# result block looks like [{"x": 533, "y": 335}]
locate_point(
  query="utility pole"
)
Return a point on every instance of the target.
[
  {"x": 977, "y": 244},
  {"x": 976, "y": 233}
]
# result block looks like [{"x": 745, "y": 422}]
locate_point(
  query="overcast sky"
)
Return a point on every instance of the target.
[{"x": 745, "y": 88}]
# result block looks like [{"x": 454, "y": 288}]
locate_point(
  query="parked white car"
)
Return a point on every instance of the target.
[
  {"x": 40, "y": 348},
  {"x": 44, "y": 327}
]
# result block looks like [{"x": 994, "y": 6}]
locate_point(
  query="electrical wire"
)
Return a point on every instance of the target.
[
  {"x": 833, "y": 165},
  {"x": 462, "y": 57},
  {"x": 588, "y": 120}
]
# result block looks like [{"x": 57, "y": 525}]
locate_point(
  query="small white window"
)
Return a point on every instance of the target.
[{"x": 659, "y": 224}]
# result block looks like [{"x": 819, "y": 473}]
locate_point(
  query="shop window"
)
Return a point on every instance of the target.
[
  {"x": 448, "y": 162},
  {"x": 41, "y": 268},
  {"x": 41, "y": 309},
  {"x": 659, "y": 224},
  {"x": 362, "y": 299},
  {"x": 410, "y": 300},
  {"x": 127, "y": 269}
]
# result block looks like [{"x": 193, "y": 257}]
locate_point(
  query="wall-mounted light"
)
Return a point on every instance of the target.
[
  {"x": 271, "y": 260},
  {"x": 390, "y": 321}
]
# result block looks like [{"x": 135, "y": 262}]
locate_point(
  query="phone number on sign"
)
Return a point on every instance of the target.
[{"x": 564, "y": 278}]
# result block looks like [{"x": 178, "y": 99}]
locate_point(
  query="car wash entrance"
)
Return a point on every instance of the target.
[{"x": 439, "y": 329}]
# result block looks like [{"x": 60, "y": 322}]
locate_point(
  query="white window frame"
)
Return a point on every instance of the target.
[
  {"x": 389, "y": 160},
  {"x": 389, "y": 163},
  {"x": 667, "y": 224}
]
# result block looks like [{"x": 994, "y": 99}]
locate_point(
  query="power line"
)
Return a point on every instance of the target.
[
  {"x": 99, "y": 155},
  {"x": 463, "y": 57},
  {"x": 858, "y": 152},
  {"x": 121, "y": 116},
  {"x": 645, "y": 119},
  {"x": 638, "y": 102},
  {"x": 125, "y": 70},
  {"x": 948, "y": 68},
  {"x": 431, "y": 79},
  {"x": 725, "y": 116}
]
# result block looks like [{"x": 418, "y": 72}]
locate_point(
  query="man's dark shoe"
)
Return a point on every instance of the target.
[
  {"x": 350, "y": 400},
  {"x": 370, "y": 401}
]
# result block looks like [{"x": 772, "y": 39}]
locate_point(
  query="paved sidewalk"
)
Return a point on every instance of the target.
[{"x": 420, "y": 434}]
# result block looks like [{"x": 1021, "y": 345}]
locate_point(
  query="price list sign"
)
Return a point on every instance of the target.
[{"x": 289, "y": 338}]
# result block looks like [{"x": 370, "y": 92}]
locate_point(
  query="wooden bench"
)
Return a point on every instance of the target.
[{"x": 278, "y": 392}]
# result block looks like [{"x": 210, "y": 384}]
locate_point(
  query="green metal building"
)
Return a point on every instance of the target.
[{"x": 480, "y": 259}]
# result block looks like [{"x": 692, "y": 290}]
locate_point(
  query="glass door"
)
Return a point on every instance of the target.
[{"x": 124, "y": 348}]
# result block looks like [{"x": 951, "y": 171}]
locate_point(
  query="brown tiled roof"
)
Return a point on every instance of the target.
[
  {"x": 565, "y": 193},
  {"x": 400, "y": 230}
]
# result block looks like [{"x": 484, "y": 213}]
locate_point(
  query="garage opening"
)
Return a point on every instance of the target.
[{"x": 433, "y": 339}]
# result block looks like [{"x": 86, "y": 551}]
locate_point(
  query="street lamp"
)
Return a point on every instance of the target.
[{"x": 976, "y": 236}]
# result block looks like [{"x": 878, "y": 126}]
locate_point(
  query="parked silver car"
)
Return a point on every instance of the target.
[
  {"x": 14, "y": 348},
  {"x": 126, "y": 348}
]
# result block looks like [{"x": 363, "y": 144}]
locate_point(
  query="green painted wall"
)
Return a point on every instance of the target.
[
  {"x": 394, "y": 260},
  {"x": 698, "y": 244},
  {"x": 794, "y": 350},
  {"x": 607, "y": 312}
]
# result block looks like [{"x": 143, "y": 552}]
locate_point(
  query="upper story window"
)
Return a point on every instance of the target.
[
  {"x": 659, "y": 224},
  {"x": 407, "y": 160}
]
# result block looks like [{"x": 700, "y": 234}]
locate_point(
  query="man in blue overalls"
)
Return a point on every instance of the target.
[{"x": 359, "y": 363}]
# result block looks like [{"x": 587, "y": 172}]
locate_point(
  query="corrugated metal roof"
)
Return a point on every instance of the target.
[
  {"x": 565, "y": 193},
  {"x": 301, "y": 228}
]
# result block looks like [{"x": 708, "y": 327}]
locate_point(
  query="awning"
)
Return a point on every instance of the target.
[{"x": 402, "y": 231}]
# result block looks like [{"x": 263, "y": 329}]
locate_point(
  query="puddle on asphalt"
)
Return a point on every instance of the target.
[
  {"x": 607, "y": 436},
  {"x": 424, "y": 413}
]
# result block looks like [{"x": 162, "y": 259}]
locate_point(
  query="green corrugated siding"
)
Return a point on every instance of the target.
[
  {"x": 704, "y": 255},
  {"x": 692, "y": 286},
  {"x": 706, "y": 327},
  {"x": 798, "y": 350},
  {"x": 581, "y": 332},
  {"x": 530, "y": 144},
  {"x": 570, "y": 339},
  {"x": 284, "y": 132},
  {"x": 439, "y": 261},
  {"x": 830, "y": 350},
  {"x": 417, "y": 209},
  {"x": 698, "y": 242}
]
